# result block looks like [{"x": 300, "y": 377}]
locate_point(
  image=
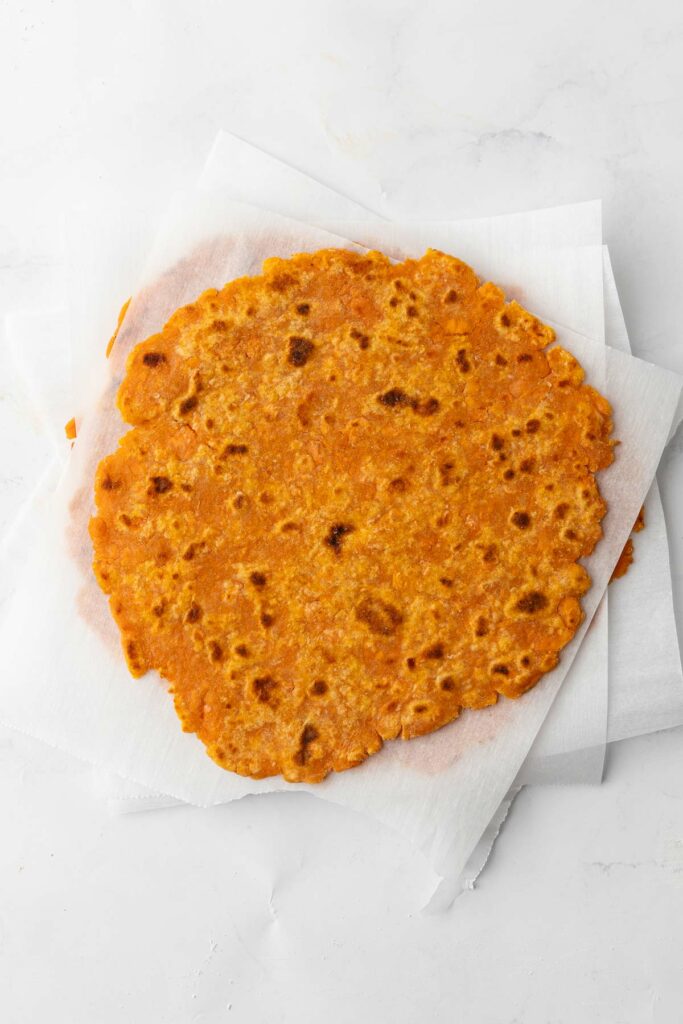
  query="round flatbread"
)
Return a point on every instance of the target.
[{"x": 352, "y": 504}]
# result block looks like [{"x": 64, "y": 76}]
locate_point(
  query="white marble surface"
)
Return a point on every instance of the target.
[{"x": 429, "y": 109}]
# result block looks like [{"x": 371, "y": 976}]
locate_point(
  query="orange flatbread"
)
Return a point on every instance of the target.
[{"x": 352, "y": 504}]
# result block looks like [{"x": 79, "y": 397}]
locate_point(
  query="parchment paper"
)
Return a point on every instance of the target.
[
  {"x": 646, "y": 681},
  {"x": 279, "y": 183},
  {"x": 441, "y": 793}
]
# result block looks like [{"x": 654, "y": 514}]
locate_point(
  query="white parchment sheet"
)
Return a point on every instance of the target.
[
  {"x": 65, "y": 680},
  {"x": 646, "y": 681},
  {"x": 262, "y": 176}
]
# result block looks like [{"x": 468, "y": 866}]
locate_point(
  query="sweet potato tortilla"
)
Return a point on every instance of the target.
[{"x": 352, "y": 503}]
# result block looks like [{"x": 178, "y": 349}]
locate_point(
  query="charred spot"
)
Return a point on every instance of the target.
[
  {"x": 527, "y": 465},
  {"x": 391, "y": 707},
  {"x": 303, "y": 308},
  {"x": 399, "y": 285},
  {"x": 219, "y": 325},
  {"x": 153, "y": 358},
  {"x": 190, "y": 552},
  {"x": 411, "y": 311},
  {"x": 394, "y": 398},
  {"x": 398, "y": 485},
  {"x": 420, "y": 709},
  {"x": 524, "y": 357},
  {"x": 235, "y": 449},
  {"x": 522, "y": 520},
  {"x": 186, "y": 487},
  {"x": 265, "y": 498},
  {"x": 362, "y": 339},
  {"x": 251, "y": 310},
  {"x": 159, "y": 609},
  {"x": 561, "y": 510},
  {"x": 502, "y": 457},
  {"x": 534, "y": 601},
  {"x": 571, "y": 535},
  {"x": 309, "y": 733},
  {"x": 281, "y": 282},
  {"x": 427, "y": 408},
  {"x": 451, "y": 296},
  {"x": 435, "y": 652},
  {"x": 267, "y": 620},
  {"x": 239, "y": 501},
  {"x": 462, "y": 360},
  {"x": 263, "y": 688},
  {"x": 447, "y": 684},
  {"x": 516, "y": 432},
  {"x": 525, "y": 661},
  {"x": 490, "y": 553},
  {"x": 160, "y": 484},
  {"x": 336, "y": 535},
  {"x": 194, "y": 613},
  {"x": 509, "y": 474},
  {"x": 258, "y": 579},
  {"x": 215, "y": 650},
  {"x": 497, "y": 442},
  {"x": 319, "y": 687},
  {"x": 505, "y": 319},
  {"x": 188, "y": 404},
  {"x": 110, "y": 485},
  {"x": 445, "y": 469},
  {"x": 410, "y": 662},
  {"x": 482, "y": 627},
  {"x": 379, "y": 616},
  {"x": 501, "y": 360},
  {"x": 446, "y": 581},
  {"x": 393, "y": 301},
  {"x": 242, "y": 650},
  {"x": 300, "y": 350},
  {"x": 131, "y": 650},
  {"x": 501, "y": 670},
  {"x": 532, "y": 426}
]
